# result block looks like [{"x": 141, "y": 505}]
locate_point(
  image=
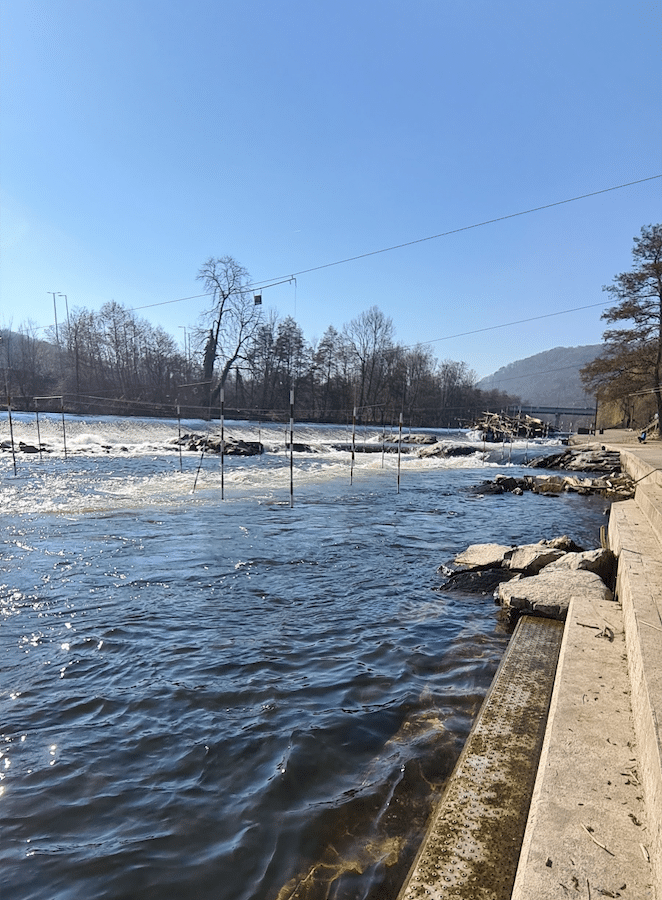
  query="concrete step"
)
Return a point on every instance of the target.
[
  {"x": 472, "y": 845},
  {"x": 587, "y": 832}
]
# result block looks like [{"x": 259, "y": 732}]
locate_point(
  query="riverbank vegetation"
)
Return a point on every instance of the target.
[{"x": 626, "y": 375}]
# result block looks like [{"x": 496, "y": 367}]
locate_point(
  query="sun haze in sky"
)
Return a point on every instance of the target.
[{"x": 140, "y": 137}]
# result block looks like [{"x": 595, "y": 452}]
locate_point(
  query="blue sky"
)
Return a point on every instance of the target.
[{"x": 140, "y": 137}]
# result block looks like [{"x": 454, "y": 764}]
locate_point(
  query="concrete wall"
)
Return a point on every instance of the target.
[{"x": 635, "y": 536}]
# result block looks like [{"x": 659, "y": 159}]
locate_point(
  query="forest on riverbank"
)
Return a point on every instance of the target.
[{"x": 112, "y": 361}]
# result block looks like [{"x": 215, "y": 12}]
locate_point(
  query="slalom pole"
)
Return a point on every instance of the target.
[
  {"x": 202, "y": 456},
  {"x": 222, "y": 443},
  {"x": 36, "y": 412},
  {"x": 179, "y": 436},
  {"x": 383, "y": 438},
  {"x": 399, "y": 450},
  {"x": 64, "y": 430},
  {"x": 291, "y": 449},
  {"x": 351, "y": 465},
  {"x": 11, "y": 433}
]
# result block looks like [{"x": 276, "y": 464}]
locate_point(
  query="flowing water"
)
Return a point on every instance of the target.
[{"x": 238, "y": 698}]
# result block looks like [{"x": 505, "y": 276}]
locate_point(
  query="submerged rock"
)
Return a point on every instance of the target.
[
  {"x": 199, "y": 442},
  {"x": 447, "y": 450},
  {"x": 476, "y": 581}
]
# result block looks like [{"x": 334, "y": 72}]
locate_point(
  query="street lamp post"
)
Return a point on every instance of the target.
[
  {"x": 186, "y": 348},
  {"x": 66, "y": 306}
]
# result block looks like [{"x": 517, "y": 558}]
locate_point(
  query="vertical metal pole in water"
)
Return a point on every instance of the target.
[
  {"x": 383, "y": 439},
  {"x": 64, "y": 430},
  {"x": 179, "y": 437},
  {"x": 351, "y": 465},
  {"x": 399, "y": 451},
  {"x": 11, "y": 433},
  {"x": 202, "y": 456},
  {"x": 36, "y": 412},
  {"x": 222, "y": 443},
  {"x": 291, "y": 449}
]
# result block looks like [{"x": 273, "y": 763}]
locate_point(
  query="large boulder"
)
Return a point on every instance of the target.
[
  {"x": 601, "y": 562},
  {"x": 242, "y": 448},
  {"x": 548, "y": 484},
  {"x": 531, "y": 558},
  {"x": 484, "y": 556},
  {"x": 446, "y": 450},
  {"x": 549, "y": 593}
]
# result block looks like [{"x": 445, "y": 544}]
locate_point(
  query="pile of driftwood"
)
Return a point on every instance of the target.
[{"x": 498, "y": 427}]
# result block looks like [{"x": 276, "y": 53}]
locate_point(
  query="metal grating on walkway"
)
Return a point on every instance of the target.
[{"x": 473, "y": 842}]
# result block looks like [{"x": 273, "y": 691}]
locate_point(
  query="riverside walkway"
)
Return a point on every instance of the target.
[{"x": 593, "y": 827}]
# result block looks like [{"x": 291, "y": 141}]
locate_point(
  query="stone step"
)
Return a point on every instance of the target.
[
  {"x": 587, "y": 835},
  {"x": 473, "y": 841}
]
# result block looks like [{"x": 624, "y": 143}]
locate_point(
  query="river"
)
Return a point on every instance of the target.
[{"x": 249, "y": 697}]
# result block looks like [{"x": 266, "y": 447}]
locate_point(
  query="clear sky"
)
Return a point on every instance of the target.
[{"x": 140, "y": 137}]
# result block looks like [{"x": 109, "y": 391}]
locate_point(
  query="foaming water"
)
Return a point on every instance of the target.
[{"x": 235, "y": 698}]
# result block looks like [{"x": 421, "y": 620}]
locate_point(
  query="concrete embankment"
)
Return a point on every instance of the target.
[{"x": 593, "y": 819}]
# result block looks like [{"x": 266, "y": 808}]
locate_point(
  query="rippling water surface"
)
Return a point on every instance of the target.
[{"x": 233, "y": 698}]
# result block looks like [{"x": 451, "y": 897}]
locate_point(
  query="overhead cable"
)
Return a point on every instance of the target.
[{"x": 283, "y": 279}]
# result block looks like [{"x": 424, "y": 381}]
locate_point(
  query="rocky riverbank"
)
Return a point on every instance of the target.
[
  {"x": 610, "y": 482},
  {"x": 534, "y": 579}
]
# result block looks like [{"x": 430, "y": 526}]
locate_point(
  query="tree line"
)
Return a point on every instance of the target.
[{"x": 112, "y": 361}]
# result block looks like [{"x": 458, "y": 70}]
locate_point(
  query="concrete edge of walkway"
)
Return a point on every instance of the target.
[{"x": 635, "y": 536}]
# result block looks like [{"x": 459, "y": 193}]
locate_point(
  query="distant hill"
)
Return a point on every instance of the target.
[{"x": 547, "y": 379}]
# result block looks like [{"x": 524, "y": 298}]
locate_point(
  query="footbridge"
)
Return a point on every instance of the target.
[{"x": 556, "y": 411}]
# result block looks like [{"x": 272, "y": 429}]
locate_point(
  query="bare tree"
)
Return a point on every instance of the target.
[
  {"x": 370, "y": 336},
  {"x": 230, "y": 321}
]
